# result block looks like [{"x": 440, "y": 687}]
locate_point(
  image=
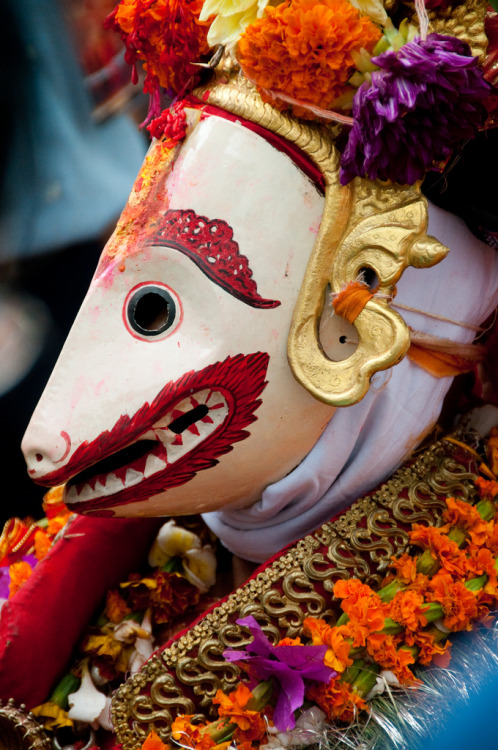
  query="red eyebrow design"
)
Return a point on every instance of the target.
[{"x": 210, "y": 244}]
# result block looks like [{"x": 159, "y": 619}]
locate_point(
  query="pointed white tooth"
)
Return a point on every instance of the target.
[
  {"x": 165, "y": 436},
  {"x": 153, "y": 465},
  {"x": 86, "y": 493},
  {"x": 189, "y": 440},
  {"x": 133, "y": 477},
  {"x": 204, "y": 428},
  {"x": 112, "y": 484},
  {"x": 176, "y": 451},
  {"x": 99, "y": 487},
  {"x": 71, "y": 495}
]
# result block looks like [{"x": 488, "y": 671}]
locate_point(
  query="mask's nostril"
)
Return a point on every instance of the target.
[{"x": 38, "y": 457}]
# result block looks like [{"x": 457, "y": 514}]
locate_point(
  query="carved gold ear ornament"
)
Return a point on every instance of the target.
[{"x": 381, "y": 228}]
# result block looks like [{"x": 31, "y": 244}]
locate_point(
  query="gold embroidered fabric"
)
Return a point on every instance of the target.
[{"x": 184, "y": 677}]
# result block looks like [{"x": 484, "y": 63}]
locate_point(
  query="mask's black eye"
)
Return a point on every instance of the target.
[{"x": 151, "y": 310}]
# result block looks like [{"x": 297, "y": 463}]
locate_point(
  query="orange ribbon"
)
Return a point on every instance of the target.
[{"x": 444, "y": 363}]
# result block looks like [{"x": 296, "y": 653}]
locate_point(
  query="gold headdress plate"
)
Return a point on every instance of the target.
[{"x": 365, "y": 225}]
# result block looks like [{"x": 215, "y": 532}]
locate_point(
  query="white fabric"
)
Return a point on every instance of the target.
[{"x": 363, "y": 444}]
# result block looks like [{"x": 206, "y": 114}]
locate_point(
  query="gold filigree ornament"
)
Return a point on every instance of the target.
[
  {"x": 184, "y": 677},
  {"x": 365, "y": 225},
  {"x": 19, "y": 729}
]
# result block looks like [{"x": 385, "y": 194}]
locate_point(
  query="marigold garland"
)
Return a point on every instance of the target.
[{"x": 450, "y": 578}]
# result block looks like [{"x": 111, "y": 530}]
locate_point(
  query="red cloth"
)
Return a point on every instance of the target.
[{"x": 41, "y": 625}]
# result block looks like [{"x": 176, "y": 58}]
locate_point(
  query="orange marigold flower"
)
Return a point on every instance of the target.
[
  {"x": 466, "y": 517},
  {"x": 42, "y": 544},
  {"x": 365, "y": 617},
  {"x": 356, "y": 597},
  {"x": 167, "y": 594},
  {"x": 290, "y": 642},
  {"x": 364, "y": 608},
  {"x": 445, "y": 550},
  {"x": 191, "y": 735},
  {"x": 57, "y": 523},
  {"x": 407, "y": 608},
  {"x": 492, "y": 540},
  {"x": 337, "y": 699},
  {"x": 303, "y": 48},
  {"x": 405, "y": 567},
  {"x": 251, "y": 724},
  {"x": 487, "y": 488},
  {"x": 458, "y": 603},
  {"x": 337, "y": 656},
  {"x": 383, "y": 650},
  {"x": 427, "y": 645},
  {"x": 482, "y": 562},
  {"x": 53, "y": 504},
  {"x": 154, "y": 742},
  {"x": 115, "y": 607},
  {"x": 168, "y": 35},
  {"x": 19, "y": 574},
  {"x": 351, "y": 589}
]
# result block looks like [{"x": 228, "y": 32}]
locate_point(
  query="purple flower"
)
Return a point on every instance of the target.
[
  {"x": 289, "y": 666},
  {"x": 4, "y": 582},
  {"x": 427, "y": 97}
]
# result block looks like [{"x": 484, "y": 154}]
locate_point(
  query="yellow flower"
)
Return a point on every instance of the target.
[
  {"x": 199, "y": 566},
  {"x": 172, "y": 541},
  {"x": 103, "y": 645},
  {"x": 232, "y": 18},
  {"x": 52, "y": 715}
]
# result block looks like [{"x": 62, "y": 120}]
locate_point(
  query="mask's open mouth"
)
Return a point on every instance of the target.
[{"x": 184, "y": 429}]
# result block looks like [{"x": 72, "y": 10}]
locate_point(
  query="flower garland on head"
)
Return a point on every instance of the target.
[{"x": 406, "y": 99}]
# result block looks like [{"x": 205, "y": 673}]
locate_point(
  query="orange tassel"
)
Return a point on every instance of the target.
[{"x": 351, "y": 300}]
